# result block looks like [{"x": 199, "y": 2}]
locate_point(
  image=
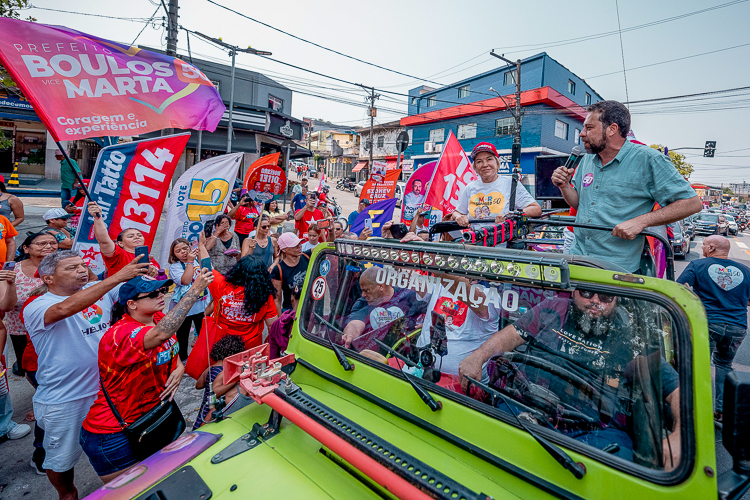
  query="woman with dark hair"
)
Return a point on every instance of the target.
[
  {"x": 33, "y": 249},
  {"x": 277, "y": 217},
  {"x": 10, "y": 204},
  {"x": 118, "y": 254},
  {"x": 212, "y": 379},
  {"x": 184, "y": 268},
  {"x": 244, "y": 298},
  {"x": 261, "y": 245},
  {"x": 138, "y": 367},
  {"x": 223, "y": 245}
]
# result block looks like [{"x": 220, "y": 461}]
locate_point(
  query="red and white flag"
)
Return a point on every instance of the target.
[{"x": 452, "y": 173}]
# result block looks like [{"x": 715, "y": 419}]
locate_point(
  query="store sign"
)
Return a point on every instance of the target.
[
  {"x": 15, "y": 103},
  {"x": 284, "y": 127}
]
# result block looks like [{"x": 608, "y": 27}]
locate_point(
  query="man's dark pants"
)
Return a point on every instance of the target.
[{"x": 724, "y": 340}]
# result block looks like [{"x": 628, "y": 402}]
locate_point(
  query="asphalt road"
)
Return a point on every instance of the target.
[{"x": 19, "y": 481}]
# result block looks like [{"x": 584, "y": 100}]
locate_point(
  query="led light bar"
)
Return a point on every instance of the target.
[{"x": 438, "y": 257}]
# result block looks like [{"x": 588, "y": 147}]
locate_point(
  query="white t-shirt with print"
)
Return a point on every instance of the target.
[
  {"x": 485, "y": 201},
  {"x": 68, "y": 350},
  {"x": 466, "y": 331}
]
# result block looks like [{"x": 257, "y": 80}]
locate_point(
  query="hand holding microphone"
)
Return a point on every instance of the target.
[{"x": 562, "y": 175}]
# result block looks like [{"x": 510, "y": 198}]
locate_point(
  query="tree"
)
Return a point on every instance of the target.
[
  {"x": 727, "y": 191},
  {"x": 678, "y": 160},
  {"x": 10, "y": 8}
]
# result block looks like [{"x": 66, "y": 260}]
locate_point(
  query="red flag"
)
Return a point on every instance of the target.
[{"x": 452, "y": 173}]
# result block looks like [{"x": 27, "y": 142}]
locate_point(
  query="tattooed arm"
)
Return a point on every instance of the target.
[{"x": 174, "y": 318}]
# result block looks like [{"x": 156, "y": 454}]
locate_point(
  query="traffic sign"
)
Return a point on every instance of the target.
[
  {"x": 710, "y": 149},
  {"x": 402, "y": 142},
  {"x": 289, "y": 144}
]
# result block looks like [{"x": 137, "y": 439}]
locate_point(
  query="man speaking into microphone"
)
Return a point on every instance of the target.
[{"x": 617, "y": 184}]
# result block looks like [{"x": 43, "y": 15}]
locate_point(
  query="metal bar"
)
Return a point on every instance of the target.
[{"x": 75, "y": 172}]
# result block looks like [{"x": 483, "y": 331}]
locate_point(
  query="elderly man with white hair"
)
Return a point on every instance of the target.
[{"x": 65, "y": 325}]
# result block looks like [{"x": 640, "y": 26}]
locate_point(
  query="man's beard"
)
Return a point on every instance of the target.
[
  {"x": 592, "y": 148},
  {"x": 589, "y": 325}
]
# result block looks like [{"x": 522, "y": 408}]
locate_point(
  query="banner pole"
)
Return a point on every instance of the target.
[{"x": 70, "y": 164}]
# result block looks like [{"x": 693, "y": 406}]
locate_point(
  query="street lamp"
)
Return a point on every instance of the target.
[{"x": 233, "y": 49}]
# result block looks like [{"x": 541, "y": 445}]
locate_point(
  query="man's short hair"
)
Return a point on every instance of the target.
[
  {"x": 49, "y": 263},
  {"x": 612, "y": 112}
]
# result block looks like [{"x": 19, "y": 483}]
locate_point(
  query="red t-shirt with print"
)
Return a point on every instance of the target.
[
  {"x": 307, "y": 219},
  {"x": 232, "y": 314},
  {"x": 120, "y": 259},
  {"x": 244, "y": 217},
  {"x": 134, "y": 377}
]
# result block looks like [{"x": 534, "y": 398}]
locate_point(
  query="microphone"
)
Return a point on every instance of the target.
[{"x": 575, "y": 157}]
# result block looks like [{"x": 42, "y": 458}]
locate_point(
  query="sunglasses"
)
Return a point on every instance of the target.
[
  {"x": 603, "y": 297},
  {"x": 161, "y": 291},
  {"x": 264, "y": 227}
]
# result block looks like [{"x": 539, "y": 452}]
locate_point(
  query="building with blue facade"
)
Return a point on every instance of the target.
[{"x": 553, "y": 100}]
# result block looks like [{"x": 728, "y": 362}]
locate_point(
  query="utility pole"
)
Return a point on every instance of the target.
[
  {"x": 373, "y": 114},
  {"x": 516, "y": 149},
  {"x": 172, "y": 28},
  {"x": 233, "y": 49}
]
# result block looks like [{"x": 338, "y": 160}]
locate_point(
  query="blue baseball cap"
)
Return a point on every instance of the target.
[{"x": 140, "y": 284}]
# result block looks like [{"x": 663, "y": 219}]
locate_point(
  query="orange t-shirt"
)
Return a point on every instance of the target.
[
  {"x": 7, "y": 231},
  {"x": 232, "y": 314}
]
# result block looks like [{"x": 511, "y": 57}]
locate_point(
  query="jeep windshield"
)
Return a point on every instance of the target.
[{"x": 593, "y": 368}]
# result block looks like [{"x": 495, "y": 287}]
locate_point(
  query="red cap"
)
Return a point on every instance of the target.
[
  {"x": 2, "y": 179},
  {"x": 484, "y": 147}
]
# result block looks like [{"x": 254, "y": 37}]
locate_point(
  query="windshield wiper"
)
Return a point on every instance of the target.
[
  {"x": 423, "y": 395},
  {"x": 339, "y": 355},
  {"x": 576, "y": 468}
]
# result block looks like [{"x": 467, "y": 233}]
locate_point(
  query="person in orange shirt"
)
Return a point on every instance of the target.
[{"x": 7, "y": 240}]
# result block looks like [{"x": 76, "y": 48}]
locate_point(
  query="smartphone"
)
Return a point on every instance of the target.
[
  {"x": 206, "y": 262},
  {"x": 9, "y": 266},
  {"x": 368, "y": 224},
  {"x": 438, "y": 336},
  {"x": 398, "y": 231},
  {"x": 324, "y": 224},
  {"x": 194, "y": 245},
  {"x": 230, "y": 253},
  {"x": 142, "y": 251}
]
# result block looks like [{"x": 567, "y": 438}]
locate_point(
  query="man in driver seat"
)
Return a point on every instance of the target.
[{"x": 590, "y": 337}]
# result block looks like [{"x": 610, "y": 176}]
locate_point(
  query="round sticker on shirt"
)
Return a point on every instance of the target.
[
  {"x": 726, "y": 277},
  {"x": 325, "y": 266},
  {"x": 319, "y": 288},
  {"x": 588, "y": 179}
]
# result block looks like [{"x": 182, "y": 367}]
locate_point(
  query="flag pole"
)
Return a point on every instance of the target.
[{"x": 70, "y": 163}]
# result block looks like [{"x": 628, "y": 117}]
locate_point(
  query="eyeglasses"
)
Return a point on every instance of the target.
[
  {"x": 603, "y": 297},
  {"x": 161, "y": 291},
  {"x": 46, "y": 244},
  {"x": 264, "y": 227}
]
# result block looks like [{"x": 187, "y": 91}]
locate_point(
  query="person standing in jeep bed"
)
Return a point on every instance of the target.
[
  {"x": 723, "y": 285},
  {"x": 618, "y": 184}
]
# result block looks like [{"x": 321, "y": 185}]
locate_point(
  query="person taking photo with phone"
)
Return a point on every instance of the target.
[
  {"x": 245, "y": 213},
  {"x": 307, "y": 215},
  {"x": 261, "y": 245},
  {"x": 184, "y": 269},
  {"x": 222, "y": 244},
  {"x": 117, "y": 254}
]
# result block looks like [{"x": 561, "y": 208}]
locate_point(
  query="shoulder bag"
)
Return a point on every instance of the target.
[{"x": 154, "y": 430}]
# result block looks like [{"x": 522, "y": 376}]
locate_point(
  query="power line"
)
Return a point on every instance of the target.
[
  {"x": 622, "y": 51},
  {"x": 146, "y": 25},
  {"x": 130, "y": 19}
]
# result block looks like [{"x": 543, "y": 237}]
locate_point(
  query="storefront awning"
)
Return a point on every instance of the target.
[
  {"x": 359, "y": 166},
  {"x": 391, "y": 165}
]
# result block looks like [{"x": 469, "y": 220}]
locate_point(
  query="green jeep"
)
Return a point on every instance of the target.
[{"x": 440, "y": 370}]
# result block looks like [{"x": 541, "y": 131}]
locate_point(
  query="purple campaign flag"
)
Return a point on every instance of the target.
[{"x": 380, "y": 213}]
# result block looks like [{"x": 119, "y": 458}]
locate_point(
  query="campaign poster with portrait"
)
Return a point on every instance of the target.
[
  {"x": 265, "y": 179},
  {"x": 379, "y": 169},
  {"x": 416, "y": 191}
]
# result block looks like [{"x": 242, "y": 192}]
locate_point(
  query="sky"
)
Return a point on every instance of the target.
[{"x": 445, "y": 41}]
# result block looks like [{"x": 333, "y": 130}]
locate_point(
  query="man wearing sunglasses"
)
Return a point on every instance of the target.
[{"x": 588, "y": 337}]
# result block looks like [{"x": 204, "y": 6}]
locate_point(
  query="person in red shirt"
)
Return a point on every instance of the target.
[
  {"x": 245, "y": 213},
  {"x": 246, "y": 298},
  {"x": 307, "y": 215},
  {"x": 118, "y": 254},
  {"x": 8, "y": 234},
  {"x": 138, "y": 365}
]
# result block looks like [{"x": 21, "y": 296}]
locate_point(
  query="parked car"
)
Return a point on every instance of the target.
[
  {"x": 733, "y": 228},
  {"x": 400, "y": 188},
  {"x": 358, "y": 188},
  {"x": 679, "y": 240}
]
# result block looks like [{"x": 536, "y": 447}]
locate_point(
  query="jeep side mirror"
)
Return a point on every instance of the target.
[{"x": 736, "y": 435}]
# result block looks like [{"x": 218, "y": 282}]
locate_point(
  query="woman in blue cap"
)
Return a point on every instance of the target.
[{"x": 138, "y": 365}]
